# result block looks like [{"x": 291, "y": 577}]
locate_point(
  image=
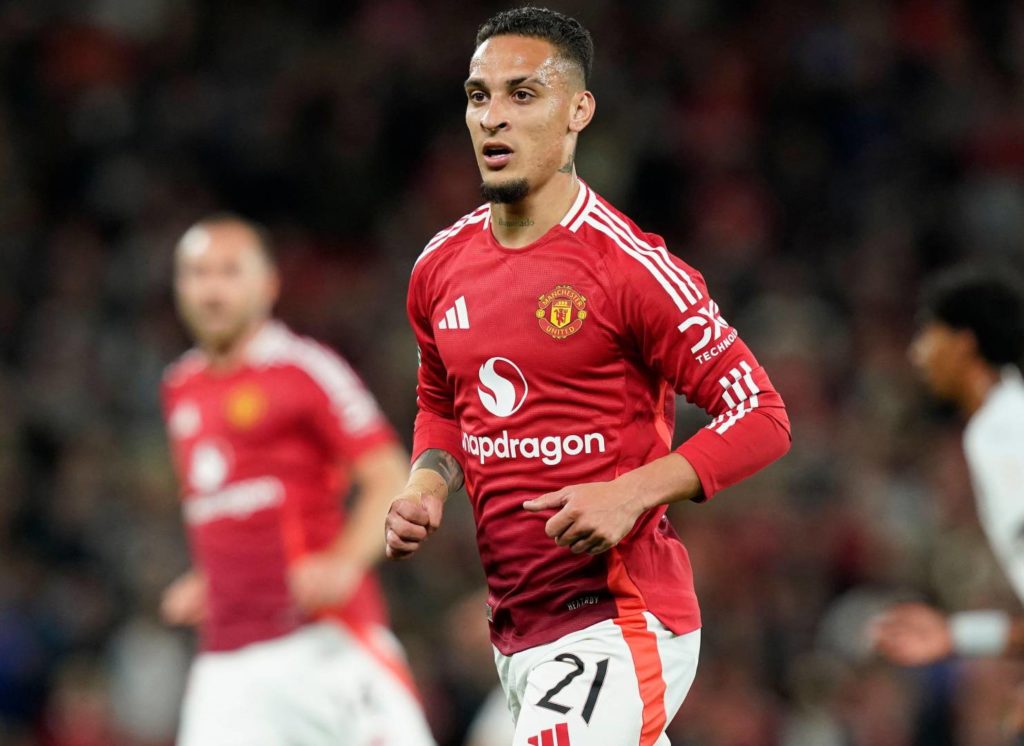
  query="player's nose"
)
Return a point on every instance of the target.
[
  {"x": 211, "y": 296},
  {"x": 494, "y": 118}
]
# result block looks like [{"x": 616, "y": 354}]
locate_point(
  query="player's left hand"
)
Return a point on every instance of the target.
[
  {"x": 323, "y": 579},
  {"x": 591, "y": 517}
]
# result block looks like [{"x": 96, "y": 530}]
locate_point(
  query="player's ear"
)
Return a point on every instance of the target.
[
  {"x": 583, "y": 107},
  {"x": 273, "y": 287},
  {"x": 969, "y": 342},
  {"x": 961, "y": 346}
]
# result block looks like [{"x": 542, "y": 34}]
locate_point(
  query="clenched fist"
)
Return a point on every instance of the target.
[{"x": 413, "y": 516}]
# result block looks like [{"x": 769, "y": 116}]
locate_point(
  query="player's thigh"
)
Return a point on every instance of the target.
[
  {"x": 391, "y": 710},
  {"x": 221, "y": 707},
  {"x": 273, "y": 693},
  {"x": 609, "y": 685},
  {"x": 377, "y": 687},
  {"x": 581, "y": 690},
  {"x": 492, "y": 724},
  {"x": 510, "y": 686},
  {"x": 679, "y": 655}
]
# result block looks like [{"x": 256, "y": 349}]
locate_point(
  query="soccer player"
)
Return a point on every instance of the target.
[
  {"x": 268, "y": 430},
  {"x": 968, "y": 351},
  {"x": 553, "y": 333}
]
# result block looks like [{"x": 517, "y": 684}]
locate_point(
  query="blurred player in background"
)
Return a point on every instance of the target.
[
  {"x": 968, "y": 352},
  {"x": 268, "y": 431},
  {"x": 552, "y": 334}
]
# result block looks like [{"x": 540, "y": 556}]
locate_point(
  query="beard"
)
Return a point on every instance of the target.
[{"x": 507, "y": 192}]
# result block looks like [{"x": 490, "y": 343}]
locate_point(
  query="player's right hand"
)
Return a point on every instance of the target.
[
  {"x": 184, "y": 601},
  {"x": 412, "y": 517},
  {"x": 911, "y": 634}
]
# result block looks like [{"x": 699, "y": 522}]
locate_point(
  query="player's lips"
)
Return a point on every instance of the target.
[{"x": 496, "y": 154}]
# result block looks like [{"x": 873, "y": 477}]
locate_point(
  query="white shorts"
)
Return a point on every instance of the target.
[
  {"x": 616, "y": 683},
  {"x": 316, "y": 686}
]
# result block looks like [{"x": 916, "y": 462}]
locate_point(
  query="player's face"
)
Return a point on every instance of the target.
[
  {"x": 223, "y": 283},
  {"x": 522, "y": 105},
  {"x": 940, "y": 354}
]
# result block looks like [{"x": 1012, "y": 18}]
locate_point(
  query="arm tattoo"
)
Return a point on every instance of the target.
[
  {"x": 444, "y": 464},
  {"x": 567, "y": 168}
]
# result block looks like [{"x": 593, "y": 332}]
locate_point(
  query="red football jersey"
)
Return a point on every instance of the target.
[
  {"x": 555, "y": 364},
  {"x": 260, "y": 454}
]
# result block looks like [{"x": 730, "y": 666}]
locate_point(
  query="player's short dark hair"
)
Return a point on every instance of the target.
[
  {"x": 264, "y": 241},
  {"x": 565, "y": 34},
  {"x": 988, "y": 303}
]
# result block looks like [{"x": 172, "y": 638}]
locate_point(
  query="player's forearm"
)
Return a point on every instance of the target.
[
  {"x": 436, "y": 472},
  {"x": 359, "y": 542},
  {"x": 750, "y": 443},
  {"x": 378, "y": 476},
  {"x": 665, "y": 480}
]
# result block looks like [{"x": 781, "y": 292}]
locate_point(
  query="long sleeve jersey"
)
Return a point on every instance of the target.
[
  {"x": 556, "y": 364},
  {"x": 262, "y": 454}
]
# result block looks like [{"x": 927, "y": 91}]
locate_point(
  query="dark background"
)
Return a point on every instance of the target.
[{"x": 815, "y": 160}]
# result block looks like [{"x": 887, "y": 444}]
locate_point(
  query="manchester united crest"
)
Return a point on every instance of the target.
[
  {"x": 561, "y": 312},
  {"x": 246, "y": 406}
]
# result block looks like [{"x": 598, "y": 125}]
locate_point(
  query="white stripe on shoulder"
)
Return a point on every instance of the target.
[
  {"x": 479, "y": 215},
  {"x": 577, "y": 205},
  {"x": 269, "y": 343},
  {"x": 455, "y": 227},
  {"x": 658, "y": 253},
  {"x": 594, "y": 221},
  {"x": 353, "y": 405},
  {"x": 588, "y": 209}
]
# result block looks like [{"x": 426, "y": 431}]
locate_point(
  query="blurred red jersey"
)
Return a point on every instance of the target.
[
  {"x": 261, "y": 454},
  {"x": 555, "y": 364}
]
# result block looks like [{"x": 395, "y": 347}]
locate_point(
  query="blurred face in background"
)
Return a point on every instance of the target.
[
  {"x": 525, "y": 105},
  {"x": 942, "y": 356},
  {"x": 225, "y": 285}
]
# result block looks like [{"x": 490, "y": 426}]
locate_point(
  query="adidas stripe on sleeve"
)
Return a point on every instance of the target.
[{"x": 682, "y": 335}]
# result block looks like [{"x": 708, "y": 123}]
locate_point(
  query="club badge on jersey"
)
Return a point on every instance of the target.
[
  {"x": 561, "y": 312},
  {"x": 245, "y": 406}
]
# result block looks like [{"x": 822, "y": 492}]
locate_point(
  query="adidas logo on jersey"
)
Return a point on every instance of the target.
[
  {"x": 739, "y": 391},
  {"x": 557, "y": 736},
  {"x": 456, "y": 317}
]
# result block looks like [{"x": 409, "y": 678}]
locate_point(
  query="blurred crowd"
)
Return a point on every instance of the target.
[{"x": 815, "y": 160}]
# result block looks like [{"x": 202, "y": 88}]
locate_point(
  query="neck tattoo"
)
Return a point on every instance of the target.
[
  {"x": 514, "y": 222},
  {"x": 567, "y": 168}
]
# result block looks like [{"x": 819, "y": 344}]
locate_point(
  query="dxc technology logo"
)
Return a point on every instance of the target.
[{"x": 502, "y": 387}]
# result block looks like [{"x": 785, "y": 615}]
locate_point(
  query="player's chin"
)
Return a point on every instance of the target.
[
  {"x": 506, "y": 188},
  {"x": 494, "y": 178},
  {"x": 218, "y": 333}
]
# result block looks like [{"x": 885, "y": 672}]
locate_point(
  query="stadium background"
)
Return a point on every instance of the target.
[{"x": 814, "y": 159}]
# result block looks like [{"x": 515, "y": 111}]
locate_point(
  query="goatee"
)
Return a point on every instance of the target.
[{"x": 507, "y": 192}]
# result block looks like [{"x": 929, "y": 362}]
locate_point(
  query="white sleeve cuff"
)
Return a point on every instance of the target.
[{"x": 980, "y": 633}]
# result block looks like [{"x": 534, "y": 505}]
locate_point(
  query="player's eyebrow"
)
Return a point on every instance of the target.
[{"x": 510, "y": 83}]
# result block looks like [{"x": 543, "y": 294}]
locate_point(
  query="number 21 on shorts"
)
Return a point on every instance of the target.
[
  {"x": 557, "y": 700},
  {"x": 548, "y": 702}
]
